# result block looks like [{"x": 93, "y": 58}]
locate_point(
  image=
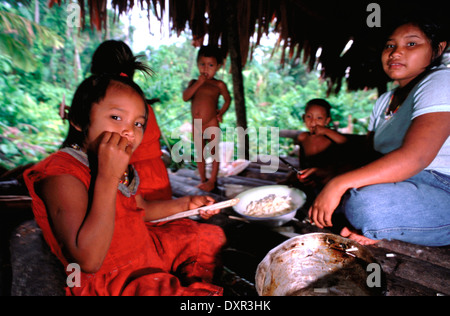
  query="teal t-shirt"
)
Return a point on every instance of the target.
[{"x": 430, "y": 95}]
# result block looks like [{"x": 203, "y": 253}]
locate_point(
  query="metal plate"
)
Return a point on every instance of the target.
[
  {"x": 318, "y": 264},
  {"x": 298, "y": 199}
]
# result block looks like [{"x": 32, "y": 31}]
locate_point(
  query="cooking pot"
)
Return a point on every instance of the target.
[
  {"x": 319, "y": 264},
  {"x": 298, "y": 198}
]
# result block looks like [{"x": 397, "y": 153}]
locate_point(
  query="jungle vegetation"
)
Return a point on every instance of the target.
[{"x": 43, "y": 59}]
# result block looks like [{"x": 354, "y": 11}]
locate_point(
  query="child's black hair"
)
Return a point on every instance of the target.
[
  {"x": 93, "y": 90},
  {"x": 115, "y": 57},
  {"x": 112, "y": 62},
  {"x": 211, "y": 51},
  {"x": 320, "y": 102}
]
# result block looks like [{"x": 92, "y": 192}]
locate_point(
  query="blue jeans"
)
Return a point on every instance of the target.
[{"x": 416, "y": 210}]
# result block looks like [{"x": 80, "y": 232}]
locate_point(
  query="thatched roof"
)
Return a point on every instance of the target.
[{"x": 302, "y": 25}]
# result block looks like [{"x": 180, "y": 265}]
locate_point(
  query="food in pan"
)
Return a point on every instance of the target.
[{"x": 270, "y": 205}]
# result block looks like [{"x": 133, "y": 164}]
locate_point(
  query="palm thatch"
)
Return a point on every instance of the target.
[{"x": 303, "y": 26}]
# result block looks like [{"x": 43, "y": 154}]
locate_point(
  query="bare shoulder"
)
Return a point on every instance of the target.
[
  {"x": 302, "y": 136},
  {"x": 222, "y": 84}
]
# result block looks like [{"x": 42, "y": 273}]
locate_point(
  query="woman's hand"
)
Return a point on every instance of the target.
[{"x": 325, "y": 204}]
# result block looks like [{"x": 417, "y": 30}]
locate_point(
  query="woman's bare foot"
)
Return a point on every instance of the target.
[
  {"x": 207, "y": 186},
  {"x": 353, "y": 235}
]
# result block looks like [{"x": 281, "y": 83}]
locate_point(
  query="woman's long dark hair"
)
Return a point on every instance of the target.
[
  {"x": 435, "y": 33},
  {"x": 432, "y": 28}
]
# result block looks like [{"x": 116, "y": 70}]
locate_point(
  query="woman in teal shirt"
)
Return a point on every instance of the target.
[{"x": 405, "y": 194}]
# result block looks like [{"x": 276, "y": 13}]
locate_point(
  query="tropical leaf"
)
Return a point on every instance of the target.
[
  {"x": 18, "y": 52},
  {"x": 17, "y": 34}
]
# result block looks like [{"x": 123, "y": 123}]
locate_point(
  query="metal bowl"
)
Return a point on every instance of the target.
[
  {"x": 298, "y": 199},
  {"x": 319, "y": 264}
]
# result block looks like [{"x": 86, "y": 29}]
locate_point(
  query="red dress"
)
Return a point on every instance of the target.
[
  {"x": 139, "y": 261},
  {"x": 146, "y": 159}
]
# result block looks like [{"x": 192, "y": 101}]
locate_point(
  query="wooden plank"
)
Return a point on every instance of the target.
[
  {"x": 14, "y": 198},
  {"x": 257, "y": 166},
  {"x": 15, "y": 202},
  {"x": 257, "y": 174},
  {"x": 180, "y": 188},
  {"x": 245, "y": 181},
  {"x": 437, "y": 255},
  {"x": 290, "y": 133},
  {"x": 400, "y": 287},
  {"x": 410, "y": 270},
  {"x": 191, "y": 174},
  {"x": 416, "y": 271}
]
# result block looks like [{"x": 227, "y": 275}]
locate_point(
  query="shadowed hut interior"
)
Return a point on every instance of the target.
[{"x": 302, "y": 26}]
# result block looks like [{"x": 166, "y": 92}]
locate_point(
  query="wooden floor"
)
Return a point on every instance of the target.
[{"x": 410, "y": 270}]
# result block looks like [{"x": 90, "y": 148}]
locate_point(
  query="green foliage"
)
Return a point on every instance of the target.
[
  {"x": 30, "y": 125},
  {"x": 38, "y": 66},
  {"x": 17, "y": 34}
]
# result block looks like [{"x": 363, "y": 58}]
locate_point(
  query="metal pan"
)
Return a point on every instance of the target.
[
  {"x": 298, "y": 199},
  {"x": 319, "y": 264}
]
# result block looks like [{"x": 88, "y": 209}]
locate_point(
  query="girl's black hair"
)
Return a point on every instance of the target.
[
  {"x": 113, "y": 61},
  {"x": 115, "y": 57},
  {"x": 93, "y": 90}
]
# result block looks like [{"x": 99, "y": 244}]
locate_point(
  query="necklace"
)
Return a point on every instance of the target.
[
  {"x": 125, "y": 180},
  {"x": 401, "y": 93},
  {"x": 389, "y": 113}
]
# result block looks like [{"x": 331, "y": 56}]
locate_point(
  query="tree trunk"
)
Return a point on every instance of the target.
[
  {"x": 36, "y": 12},
  {"x": 234, "y": 50}
]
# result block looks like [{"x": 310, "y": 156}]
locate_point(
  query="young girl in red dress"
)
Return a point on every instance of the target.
[
  {"x": 87, "y": 201},
  {"x": 116, "y": 57}
]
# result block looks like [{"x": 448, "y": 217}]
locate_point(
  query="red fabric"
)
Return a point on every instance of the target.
[
  {"x": 139, "y": 261},
  {"x": 155, "y": 184}
]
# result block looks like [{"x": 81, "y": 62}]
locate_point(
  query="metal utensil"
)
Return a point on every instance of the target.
[
  {"x": 196, "y": 211},
  {"x": 290, "y": 165},
  {"x": 298, "y": 200},
  {"x": 317, "y": 264}
]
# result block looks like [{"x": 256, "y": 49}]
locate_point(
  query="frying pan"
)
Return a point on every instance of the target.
[{"x": 319, "y": 264}]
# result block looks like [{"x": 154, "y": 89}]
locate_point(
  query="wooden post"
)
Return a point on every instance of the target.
[{"x": 234, "y": 49}]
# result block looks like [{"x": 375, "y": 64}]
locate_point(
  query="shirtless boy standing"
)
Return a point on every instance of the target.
[{"x": 204, "y": 94}]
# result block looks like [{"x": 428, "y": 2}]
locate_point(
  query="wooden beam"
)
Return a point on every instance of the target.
[{"x": 234, "y": 50}]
